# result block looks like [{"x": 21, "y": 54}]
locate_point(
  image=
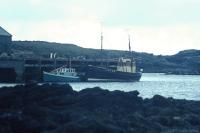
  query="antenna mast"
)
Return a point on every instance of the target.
[
  {"x": 129, "y": 42},
  {"x": 101, "y": 41},
  {"x": 131, "y": 53},
  {"x": 101, "y": 48}
]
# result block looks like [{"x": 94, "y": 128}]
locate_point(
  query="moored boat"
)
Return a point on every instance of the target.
[
  {"x": 62, "y": 74},
  {"x": 125, "y": 71}
]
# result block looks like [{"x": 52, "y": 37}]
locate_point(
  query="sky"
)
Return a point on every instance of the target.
[{"x": 155, "y": 26}]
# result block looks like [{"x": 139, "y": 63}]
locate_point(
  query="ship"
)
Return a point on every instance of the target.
[{"x": 124, "y": 71}]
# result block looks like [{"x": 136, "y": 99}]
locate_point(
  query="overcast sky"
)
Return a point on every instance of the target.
[{"x": 155, "y": 26}]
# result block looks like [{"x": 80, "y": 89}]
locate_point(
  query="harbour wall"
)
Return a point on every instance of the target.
[{"x": 32, "y": 69}]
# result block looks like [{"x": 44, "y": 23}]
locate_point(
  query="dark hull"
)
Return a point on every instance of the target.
[{"x": 100, "y": 73}]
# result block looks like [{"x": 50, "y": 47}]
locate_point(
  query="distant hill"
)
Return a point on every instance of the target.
[
  {"x": 184, "y": 62},
  {"x": 43, "y": 49}
]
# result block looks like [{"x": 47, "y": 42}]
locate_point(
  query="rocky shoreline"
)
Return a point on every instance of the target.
[{"x": 59, "y": 109}]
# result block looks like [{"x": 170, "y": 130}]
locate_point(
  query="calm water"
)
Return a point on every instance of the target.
[{"x": 176, "y": 86}]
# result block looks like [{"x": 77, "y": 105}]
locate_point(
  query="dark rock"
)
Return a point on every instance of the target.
[
  {"x": 53, "y": 108},
  {"x": 193, "y": 119},
  {"x": 158, "y": 100}
]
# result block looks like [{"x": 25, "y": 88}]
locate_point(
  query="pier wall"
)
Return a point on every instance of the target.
[
  {"x": 17, "y": 65},
  {"x": 31, "y": 69}
]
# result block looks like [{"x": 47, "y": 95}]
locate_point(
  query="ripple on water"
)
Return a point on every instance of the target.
[{"x": 176, "y": 86}]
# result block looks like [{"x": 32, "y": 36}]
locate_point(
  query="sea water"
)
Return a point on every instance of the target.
[{"x": 176, "y": 86}]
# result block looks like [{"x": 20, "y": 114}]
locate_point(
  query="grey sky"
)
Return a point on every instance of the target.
[{"x": 156, "y": 26}]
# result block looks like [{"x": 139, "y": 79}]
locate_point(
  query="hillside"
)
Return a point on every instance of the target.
[{"x": 184, "y": 62}]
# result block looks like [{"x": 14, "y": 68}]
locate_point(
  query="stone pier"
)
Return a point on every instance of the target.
[{"x": 17, "y": 65}]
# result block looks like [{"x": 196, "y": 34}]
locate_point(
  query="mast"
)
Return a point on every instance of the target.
[
  {"x": 131, "y": 53},
  {"x": 101, "y": 41},
  {"x": 129, "y": 42},
  {"x": 101, "y": 48}
]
